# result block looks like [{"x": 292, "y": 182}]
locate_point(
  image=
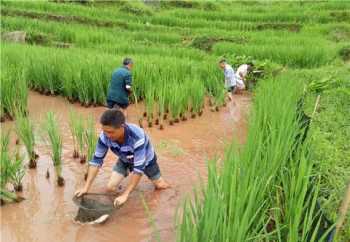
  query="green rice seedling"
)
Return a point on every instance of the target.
[
  {"x": 7, "y": 170},
  {"x": 19, "y": 172},
  {"x": 162, "y": 105},
  {"x": 73, "y": 119},
  {"x": 90, "y": 139},
  {"x": 149, "y": 101},
  {"x": 55, "y": 141},
  {"x": 197, "y": 97},
  {"x": 77, "y": 128},
  {"x": 175, "y": 97},
  {"x": 25, "y": 131},
  {"x": 184, "y": 100},
  {"x": 79, "y": 131}
]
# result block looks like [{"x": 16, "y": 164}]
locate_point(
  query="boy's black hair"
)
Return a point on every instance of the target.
[
  {"x": 223, "y": 60},
  {"x": 127, "y": 61},
  {"x": 113, "y": 117}
]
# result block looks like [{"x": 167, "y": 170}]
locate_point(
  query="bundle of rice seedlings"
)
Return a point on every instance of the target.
[
  {"x": 7, "y": 171},
  {"x": 24, "y": 130},
  {"x": 55, "y": 141},
  {"x": 90, "y": 138},
  {"x": 19, "y": 171}
]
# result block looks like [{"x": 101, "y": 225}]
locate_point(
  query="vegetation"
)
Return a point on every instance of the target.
[
  {"x": 266, "y": 191},
  {"x": 270, "y": 190}
]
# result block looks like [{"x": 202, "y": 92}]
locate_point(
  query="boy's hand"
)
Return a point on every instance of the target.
[
  {"x": 81, "y": 192},
  {"x": 120, "y": 200}
]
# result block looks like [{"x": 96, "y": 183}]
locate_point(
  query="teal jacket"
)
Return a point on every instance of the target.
[{"x": 117, "y": 91}]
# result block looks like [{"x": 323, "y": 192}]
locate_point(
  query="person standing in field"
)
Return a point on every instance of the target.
[
  {"x": 242, "y": 73},
  {"x": 120, "y": 86},
  {"x": 135, "y": 155},
  {"x": 230, "y": 77}
]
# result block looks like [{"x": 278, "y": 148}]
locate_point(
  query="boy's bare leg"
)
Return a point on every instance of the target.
[{"x": 114, "y": 181}]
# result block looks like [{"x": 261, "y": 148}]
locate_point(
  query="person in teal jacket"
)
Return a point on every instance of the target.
[{"x": 120, "y": 86}]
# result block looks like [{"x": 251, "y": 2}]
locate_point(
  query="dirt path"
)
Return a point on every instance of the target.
[{"x": 183, "y": 149}]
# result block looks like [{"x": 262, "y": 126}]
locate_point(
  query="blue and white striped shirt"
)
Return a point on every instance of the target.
[
  {"x": 136, "y": 150},
  {"x": 230, "y": 76}
]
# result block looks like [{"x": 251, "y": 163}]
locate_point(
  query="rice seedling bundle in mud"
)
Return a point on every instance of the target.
[
  {"x": 19, "y": 170},
  {"x": 76, "y": 125},
  {"x": 55, "y": 142},
  {"x": 25, "y": 131},
  {"x": 90, "y": 139},
  {"x": 11, "y": 171}
]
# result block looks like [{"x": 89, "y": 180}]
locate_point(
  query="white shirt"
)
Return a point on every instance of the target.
[
  {"x": 243, "y": 69},
  {"x": 230, "y": 77}
]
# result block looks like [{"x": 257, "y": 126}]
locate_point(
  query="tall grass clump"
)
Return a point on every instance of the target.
[
  {"x": 25, "y": 131},
  {"x": 55, "y": 141},
  {"x": 263, "y": 191}
]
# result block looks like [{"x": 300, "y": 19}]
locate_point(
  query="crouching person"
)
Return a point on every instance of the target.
[{"x": 135, "y": 154}]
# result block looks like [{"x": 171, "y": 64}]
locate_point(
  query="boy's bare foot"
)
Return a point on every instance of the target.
[{"x": 160, "y": 184}]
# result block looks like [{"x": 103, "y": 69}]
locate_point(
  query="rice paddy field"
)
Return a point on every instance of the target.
[{"x": 273, "y": 164}]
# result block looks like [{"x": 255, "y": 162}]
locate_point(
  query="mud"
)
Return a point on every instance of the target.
[{"x": 183, "y": 149}]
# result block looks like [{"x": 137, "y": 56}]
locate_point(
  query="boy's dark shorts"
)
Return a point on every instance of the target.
[
  {"x": 113, "y": 104},
  {"x": 230, "y": 89},
  {"x": 152, "y": 170}
]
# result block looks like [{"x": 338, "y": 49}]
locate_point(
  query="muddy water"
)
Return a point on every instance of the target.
[{"x": 183, "y": 149}]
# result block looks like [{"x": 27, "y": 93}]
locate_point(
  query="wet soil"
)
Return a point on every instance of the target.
[{"x": 183, "y": 149}]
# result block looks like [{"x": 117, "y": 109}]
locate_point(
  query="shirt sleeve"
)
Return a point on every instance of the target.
[
  {"x": 100, "y": 153},
  {"x": 139, "y": 156},
  {"x": 128, "y": 81}
]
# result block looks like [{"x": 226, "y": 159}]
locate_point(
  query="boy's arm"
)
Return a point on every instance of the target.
[
  {"x": 128, "y": 83},
  {"x": 138, "y": 169},
  {"x": 134, "y": 181},
  {"x": 92, "y": 173},
  {"x": 94, "y": 165}
]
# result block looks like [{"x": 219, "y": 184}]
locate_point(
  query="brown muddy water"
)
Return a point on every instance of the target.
[{"x": 183, "y": 150}]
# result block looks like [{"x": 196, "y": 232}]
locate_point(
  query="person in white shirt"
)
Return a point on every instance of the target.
[
  {"x": 241, "y": 75},
  {"x": 230, "y": 77}
]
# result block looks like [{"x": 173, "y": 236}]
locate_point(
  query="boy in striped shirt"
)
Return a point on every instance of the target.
[{"x": 134, "y": 150}]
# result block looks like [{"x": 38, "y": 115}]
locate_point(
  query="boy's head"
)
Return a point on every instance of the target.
[
  {"x": 128, "y": 62},
  {"x": 250, "y": 66},
  {"x": 222, "y": 63},
  {"x": 113, "y": 121}
]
